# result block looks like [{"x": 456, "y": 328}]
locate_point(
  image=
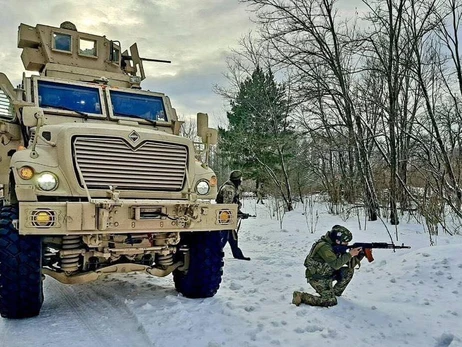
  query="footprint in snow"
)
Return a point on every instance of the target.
[
  {"x": 249, "y": 308},
  {"x": 301, "y": 313},
  {"x": 444, "y": 340},
  {"x": 235, "y": 286}
]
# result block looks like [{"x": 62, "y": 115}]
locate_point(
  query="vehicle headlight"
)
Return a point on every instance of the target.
[
  {"x": 47, "y": 181},
  {"x": 202, "y": 187}
]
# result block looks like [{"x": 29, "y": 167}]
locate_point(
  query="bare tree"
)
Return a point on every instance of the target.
[
  {"x": 388, "y": 58},
  {"x": 449, "y": 19},
  {"x": 321, "y": 55},
  {"x": 423, "y": 19}
]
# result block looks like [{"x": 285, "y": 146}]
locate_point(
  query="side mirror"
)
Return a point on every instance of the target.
[
  {"x": 211, "y": 136},
  {"x": 202, "y": 125}
]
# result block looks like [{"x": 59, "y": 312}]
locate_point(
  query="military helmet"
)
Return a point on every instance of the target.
[
  {"x": 341, "y": 234},
  {"x": 235, "y": 175},
  {"x": 68, "y": 25}
]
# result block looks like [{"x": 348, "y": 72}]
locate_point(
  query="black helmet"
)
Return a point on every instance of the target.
[
  {"x": 68, "y": 25},
  {"x": 235, "y": 175},
  {"x": 341, "y": 234}
]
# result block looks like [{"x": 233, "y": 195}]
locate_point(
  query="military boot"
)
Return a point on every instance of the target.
[
  {"x": 297, "y": 298},
  {"x": 323, "y": 301}
]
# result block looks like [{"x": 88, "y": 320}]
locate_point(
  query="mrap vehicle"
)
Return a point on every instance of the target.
[{"x": 96, "y": 178}]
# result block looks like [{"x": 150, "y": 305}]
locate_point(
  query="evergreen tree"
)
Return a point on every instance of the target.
[{"x": 259, "y": 135}]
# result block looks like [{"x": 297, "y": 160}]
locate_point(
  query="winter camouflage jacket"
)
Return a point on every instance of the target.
[{"x": 322, "y": 262}]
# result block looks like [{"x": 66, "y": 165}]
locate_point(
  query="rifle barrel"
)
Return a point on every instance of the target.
[
  {"x": 156, "y": 60},
  {"x": 382, "y": 245},
  {"x": 129, "y": 57}
]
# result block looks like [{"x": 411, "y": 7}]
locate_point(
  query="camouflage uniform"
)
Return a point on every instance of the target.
[
  {"x": 260, "y": 194},
  {"x": 229, "y": 193},
  {"x": 323, "y": 267}
]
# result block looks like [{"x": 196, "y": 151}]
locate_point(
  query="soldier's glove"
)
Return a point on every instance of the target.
[{"x": 355, "y": 261}]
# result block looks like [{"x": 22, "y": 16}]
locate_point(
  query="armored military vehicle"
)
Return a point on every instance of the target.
[{"x": 96, "y": 178}]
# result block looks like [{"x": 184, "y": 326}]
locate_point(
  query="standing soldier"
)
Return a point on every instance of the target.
[
  {"x": 229, "y": 193},
  {"x": 260, "y": 193},
  {"x": 324, "y": 266}
]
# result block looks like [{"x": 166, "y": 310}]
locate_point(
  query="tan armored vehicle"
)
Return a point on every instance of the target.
[{"x": 96, "y": 179}]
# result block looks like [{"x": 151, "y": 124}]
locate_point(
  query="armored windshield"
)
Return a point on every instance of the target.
[
  {"x": 69, "y": 97},
  {"x": 149, "y": 107}
]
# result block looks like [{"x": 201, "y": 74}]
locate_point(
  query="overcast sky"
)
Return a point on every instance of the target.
[{"x": 195, "y": 35}]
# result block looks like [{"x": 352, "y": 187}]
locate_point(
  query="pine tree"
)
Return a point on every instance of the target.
[{"x": 259, "y": 135}]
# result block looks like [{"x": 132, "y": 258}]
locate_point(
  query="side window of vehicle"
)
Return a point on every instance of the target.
[
  {"x": 88, "y": 48},
  {"x": 62, "y": 42}
]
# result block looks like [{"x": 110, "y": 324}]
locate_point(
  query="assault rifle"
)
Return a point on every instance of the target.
[
  {"x": 243, "y": 215},
  {"x": 367, "y": 248}
]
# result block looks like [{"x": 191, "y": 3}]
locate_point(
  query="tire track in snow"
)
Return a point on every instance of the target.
[
  {"x": 77, "y": 315},
  {"x": 103, "y": 311}
]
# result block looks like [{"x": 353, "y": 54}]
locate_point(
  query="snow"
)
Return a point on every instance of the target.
[{"x": 410, "y": 297}]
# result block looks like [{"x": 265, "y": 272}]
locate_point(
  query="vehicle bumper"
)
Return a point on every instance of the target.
[{"x": 124, "y": 216}]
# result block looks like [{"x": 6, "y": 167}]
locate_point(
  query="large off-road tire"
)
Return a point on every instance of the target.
[
  {"x": 21, "y": 288},
  {"x": 203, "y": 277}
]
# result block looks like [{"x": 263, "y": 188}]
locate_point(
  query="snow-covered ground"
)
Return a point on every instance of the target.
[{"x": 410, "y": 297}]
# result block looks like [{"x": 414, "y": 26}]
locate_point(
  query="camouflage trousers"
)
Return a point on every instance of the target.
[{"x": 326, "y": 289}]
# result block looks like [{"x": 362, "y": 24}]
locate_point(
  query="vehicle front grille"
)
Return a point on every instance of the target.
[{"x": 109, "y": 161}]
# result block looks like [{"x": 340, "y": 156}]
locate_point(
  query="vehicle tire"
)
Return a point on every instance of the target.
[
  {"x": 21, "y": 287},
  {"x": 203, "y": 277}
]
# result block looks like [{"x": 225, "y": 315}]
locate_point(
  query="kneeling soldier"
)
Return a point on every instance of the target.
[{"x": 324, "y": 266}]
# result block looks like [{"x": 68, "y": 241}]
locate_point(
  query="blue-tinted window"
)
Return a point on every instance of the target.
[
  {"x": 62, "y": 42},
  {"x": 69, "y": 97},
  {"x": 138, "y": 106}
]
